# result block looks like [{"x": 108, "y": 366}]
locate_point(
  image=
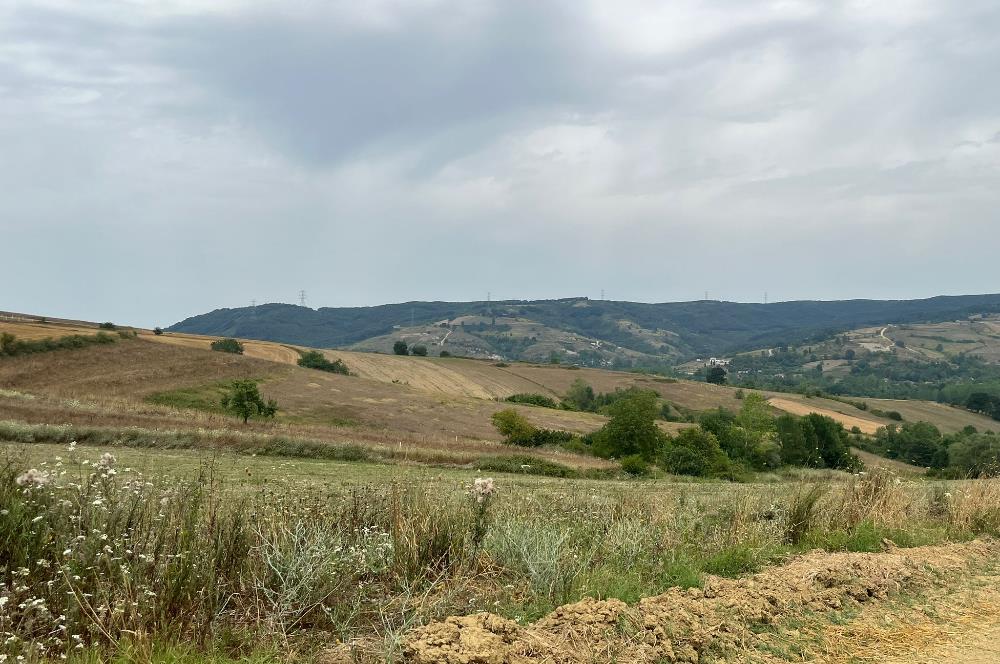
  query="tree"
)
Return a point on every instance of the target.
[
  {"x": 716, "y": 376},
  {"x": 399, "y": 348},
  {"x": 243, "y": 399},
  {"x": 228, "y": 346},
  {"x": 444, "y": 353},
  {"x": 580, "y": 396},
  {"x": 419, "y": 350},
  {"x": 631, "y": 429},
  {"x": 157, "y": 331}
]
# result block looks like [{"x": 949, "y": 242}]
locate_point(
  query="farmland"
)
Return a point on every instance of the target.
[{"x": 374, "y": 475}]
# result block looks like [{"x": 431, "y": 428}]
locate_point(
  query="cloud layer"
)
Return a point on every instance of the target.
[{"x": 159, "y": 163}]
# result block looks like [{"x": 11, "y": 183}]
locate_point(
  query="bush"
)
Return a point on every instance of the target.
[
  {"x": 420, "y": 351},
  {"x": 696, "y": 452},
  {"x": 515, "y": 428},
  {"x": 243, "y": 399},
  {"x": 228, "y": 346},
  {"x": 10, "y": 345},
  {"x": 716, "y": 376},
  {"x": 635, "y": 466},
  {"x": 533, "y": 399},
  {"x": 108, "y": 326},
  {"x": 158, "y": 331},
  {"x": 399, "y": 348},
  {"x": 631, "y": 429},
  {"x": 314, "y": 359},
  {"x": 444, "y": 353}
]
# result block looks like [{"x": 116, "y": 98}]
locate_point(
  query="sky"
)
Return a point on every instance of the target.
[{"x": 163, "y": 159}]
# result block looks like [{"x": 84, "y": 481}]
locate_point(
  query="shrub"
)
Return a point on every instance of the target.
[
  {"x": 533, "y": 399},
  {"x": 444, "y": 353},
  {"x": 696, "y": 452},
  {"x": 579, "y": 396},
  {"x": 314, "y": 359},
  {"x": 631, "y": 429},
  {"x": 158, "y": 331},
  {"x": 10, "y": 345},
  {"x": 716, "y": 376},
  {"x": 420, "y": 351},
  {"x": 400, "y": 348},
  {"x": 635, "y": 466},
  {"x": 243, "y": 399},
  {"x": 515, "y": 428},
  {"x": 108, "y": 326},
  {"x": 228, "y": 346}
]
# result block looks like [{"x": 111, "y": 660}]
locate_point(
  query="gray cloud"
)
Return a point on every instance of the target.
[{"x": 160, "y": 162}]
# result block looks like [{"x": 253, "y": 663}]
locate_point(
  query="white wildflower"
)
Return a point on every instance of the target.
[
  {"x": 33, "y": 477},
  {"x": 482, "y": 488},
  {"x": 107, "y": 460}
]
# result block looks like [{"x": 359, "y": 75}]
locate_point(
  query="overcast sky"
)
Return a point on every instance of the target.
[{"x": 162, "y": 159}]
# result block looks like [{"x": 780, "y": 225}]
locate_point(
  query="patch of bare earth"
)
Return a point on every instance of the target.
[{"x": 721, "y": 621}]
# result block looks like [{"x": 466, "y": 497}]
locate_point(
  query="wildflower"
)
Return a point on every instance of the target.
[
  {"x": 107, "y": 460},
  {"x": 72, "y": 446},
  {"x": 482, "y": 488},
  {"x": 33, "y": 477}
]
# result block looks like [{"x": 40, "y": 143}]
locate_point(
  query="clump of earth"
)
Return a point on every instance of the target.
[{"x": 689, "y": 625}]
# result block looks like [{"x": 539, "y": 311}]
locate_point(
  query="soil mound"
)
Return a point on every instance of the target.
[{"x": 683, "y": 625}]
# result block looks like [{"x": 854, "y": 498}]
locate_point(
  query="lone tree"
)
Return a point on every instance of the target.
[
  {"x": 399, "y": 348},
  {"x": 157, "y": 331},
  {"x": 419, "y": 350},
  {"x": 228, "y": 346},
  {"x": 716, "y": 376},
  {"x": 243, "y": 400}
]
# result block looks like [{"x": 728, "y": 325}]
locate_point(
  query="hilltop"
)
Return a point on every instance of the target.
[{"x": 578, "y": 330}]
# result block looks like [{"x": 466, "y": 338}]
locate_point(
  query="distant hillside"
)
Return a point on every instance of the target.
[{"x": 579, "y": 330}]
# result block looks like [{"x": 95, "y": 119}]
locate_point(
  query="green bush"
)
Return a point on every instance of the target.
[
  {"x": 314, "y": 359},
  {"x": 696, "y": 452},
  {"x": 158, "y": 331},
  {"x": 631, "y": 429},
  {"x": 400, "y": 348},
  {"x": 243, "y": 400},
  {"x": 533, "y": 399},
  {"x": 420, "y": 351},
  {"x": 515, "y": 428},
  {"x": 108, "y": 326},
  {"x": 228, "y": 346},
  {"x": 11, "y": 346},
  {"x": 635, "y": 466},
  {"x": 444, "y": 353}
]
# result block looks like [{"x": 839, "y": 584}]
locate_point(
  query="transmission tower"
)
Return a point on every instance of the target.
[{"x": 302, "y": 298}]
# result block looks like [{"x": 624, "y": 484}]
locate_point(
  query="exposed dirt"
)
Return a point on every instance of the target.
[{"x": 690, "y": 625}]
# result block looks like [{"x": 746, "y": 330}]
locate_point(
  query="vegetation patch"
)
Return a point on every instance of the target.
[
  {"x": 11, "y": 346},
  {"x": 313, "y": 359}
]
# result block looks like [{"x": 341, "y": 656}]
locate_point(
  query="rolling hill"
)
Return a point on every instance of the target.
[{"x": 578, "y": 330}]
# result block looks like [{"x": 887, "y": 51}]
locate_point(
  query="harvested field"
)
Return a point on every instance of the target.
[
  {"x": 849, "y": 421},
  {"x": 261, "y": 350},
  {"x": 687, "y": 625}
]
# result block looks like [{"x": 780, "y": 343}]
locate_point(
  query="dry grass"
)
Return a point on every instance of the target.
[{"x": 849, "y": 421}]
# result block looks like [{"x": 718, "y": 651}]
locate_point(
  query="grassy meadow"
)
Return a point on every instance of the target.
[{"x": 113, "y": 549}]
